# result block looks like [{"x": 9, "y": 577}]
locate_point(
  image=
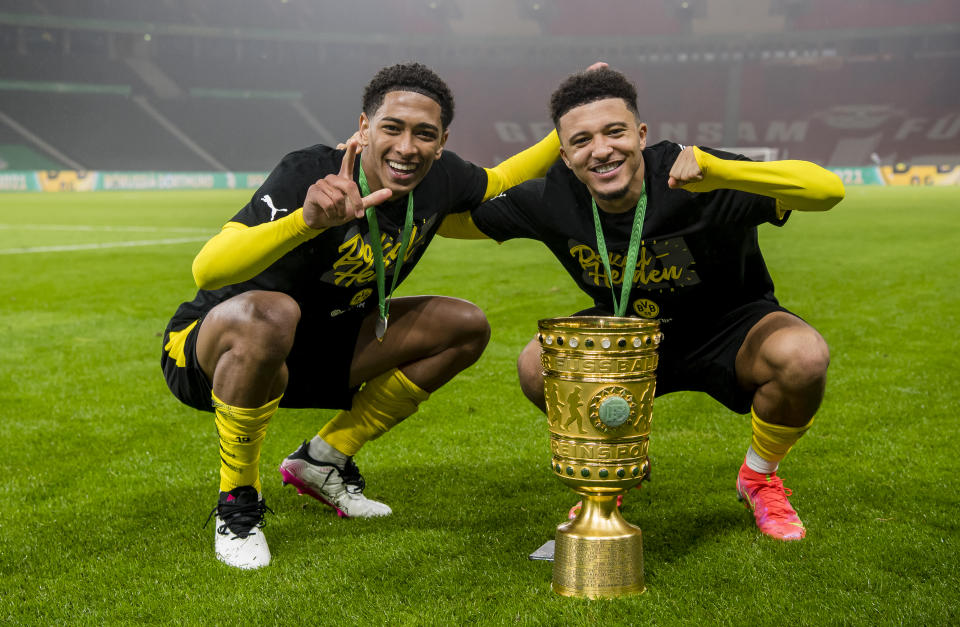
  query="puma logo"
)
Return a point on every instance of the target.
[{"x": 273, "y": 210}]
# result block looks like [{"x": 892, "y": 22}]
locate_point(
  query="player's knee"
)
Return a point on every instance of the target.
[
  {"x": 472, "y": 328},
  {"x": 265, "y": 324},
  {"x": 530, "y": 374},
  {"x": 804, "y": 361}
]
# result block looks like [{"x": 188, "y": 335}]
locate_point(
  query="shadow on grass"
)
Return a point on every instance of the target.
[{"x": 488, "y": 510}]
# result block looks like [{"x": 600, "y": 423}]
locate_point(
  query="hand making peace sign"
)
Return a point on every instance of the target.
[{"x": 335, "y": 199}]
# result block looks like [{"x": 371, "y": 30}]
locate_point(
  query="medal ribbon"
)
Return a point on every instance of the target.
[
  {"x": 377, "y": 246},
  {"x": 634, "y": 247}
]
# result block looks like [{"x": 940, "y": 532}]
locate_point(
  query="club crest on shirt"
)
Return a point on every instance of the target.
[{"x": 646, "y": 308}]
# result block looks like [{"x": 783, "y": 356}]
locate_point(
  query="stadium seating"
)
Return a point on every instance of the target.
[
  {"x": 835, "y": 14},
  {"x": 247, "y": 101},
  {"x": 249, "y": 134},
  {"x": 627, "y": 19},
  {"x": 849, "y": 114},
  {"x": 100, "y": 132},
  {"x": 359, "y": 16},
  {"x": 838, "y": 114}
]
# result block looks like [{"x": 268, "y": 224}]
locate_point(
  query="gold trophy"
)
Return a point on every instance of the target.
[{"x": 599, "y": 382}]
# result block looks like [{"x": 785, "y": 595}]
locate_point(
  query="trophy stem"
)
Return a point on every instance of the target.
[{"x": 598, "y": 554}]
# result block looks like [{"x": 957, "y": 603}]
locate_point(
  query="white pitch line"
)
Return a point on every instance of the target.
[
  {"x": 69, "y": 247},
  {"x": 105, "y": 228}
]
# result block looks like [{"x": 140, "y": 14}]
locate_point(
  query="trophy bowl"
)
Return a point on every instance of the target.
[{"x": 599, "y": 383}]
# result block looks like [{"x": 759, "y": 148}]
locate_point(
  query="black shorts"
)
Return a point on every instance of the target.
[
  {"x": 318, "y": 364},
  {"x": 702, "y": 357}
]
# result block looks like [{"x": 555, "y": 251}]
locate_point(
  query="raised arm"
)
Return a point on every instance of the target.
[
  {"x": 240, "y": 252},
  {"x": 523, "y": 166},
  {"x": 527, "y": 164},
  {"x": 796, "y": 185}
]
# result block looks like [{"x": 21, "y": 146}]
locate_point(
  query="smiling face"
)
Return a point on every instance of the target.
[
  {"x": 401, "y": 141},
  {"x": 601, "y": 142}
]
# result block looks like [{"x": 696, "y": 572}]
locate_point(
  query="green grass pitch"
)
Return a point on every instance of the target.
[{"x": 107, "y": 480}]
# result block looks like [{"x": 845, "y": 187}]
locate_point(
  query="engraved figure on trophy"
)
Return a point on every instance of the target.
[
  {"x": 554, "y": 404},
  {"x": 574, "y": 403},
  {"x": 645, "y": 412}
]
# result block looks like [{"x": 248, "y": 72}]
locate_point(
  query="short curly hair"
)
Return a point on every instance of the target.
[
  {"x": 589, "y": 86},
  {"x": 414, "y": 77}
]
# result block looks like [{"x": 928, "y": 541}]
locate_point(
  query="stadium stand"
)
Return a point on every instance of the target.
[
  {"x": 250, "y": 134},
  {"x": 830, "y": 14},
  {"x": 100, "y": 131},
  {"x": 565, "y": 17},
  {"x": 78, "y": 68},
  {"x": 842, "y": 115},
  {"x": 358, "y": 16},
  {"x": 15, "y": 156},
  {"x": 234, "y": 84}
]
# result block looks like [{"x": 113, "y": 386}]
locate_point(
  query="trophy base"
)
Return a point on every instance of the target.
[{"x": 598, "y": 555}]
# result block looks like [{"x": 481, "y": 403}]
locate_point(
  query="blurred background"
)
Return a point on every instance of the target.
[{"x": 233, "y": 85}]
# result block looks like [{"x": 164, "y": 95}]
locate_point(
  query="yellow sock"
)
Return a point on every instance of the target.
[
  {"x": 241, "y": 434},
  {"x": 378, "y": 407},
  {"x": 773, "y": 442}
]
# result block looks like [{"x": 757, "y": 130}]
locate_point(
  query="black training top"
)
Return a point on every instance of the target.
[
  {"x": 700, "y": 256},
  {"x": 333, "y": 273}
]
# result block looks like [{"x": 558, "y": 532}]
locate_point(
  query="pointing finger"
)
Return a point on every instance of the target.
[
  {"x": 377, "y": 197},
  {"x": 346, "y": 166}
]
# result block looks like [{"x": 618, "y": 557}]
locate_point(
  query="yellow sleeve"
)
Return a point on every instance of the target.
[
  {"x": 528, "y": 164},
  {"x": 460, "y": 226},
  {"x": 796, "y": 185},
  {"x": 240, "y": 252}
]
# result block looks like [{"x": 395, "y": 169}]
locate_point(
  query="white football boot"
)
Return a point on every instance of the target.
[
  {"x": 238, "y": 538},
  {"x": 332, "y": 481}
]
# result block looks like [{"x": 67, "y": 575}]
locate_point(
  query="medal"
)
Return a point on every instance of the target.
[
  {"x": 626, "y": 283},
  {"x": 376, "y": 246}
]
